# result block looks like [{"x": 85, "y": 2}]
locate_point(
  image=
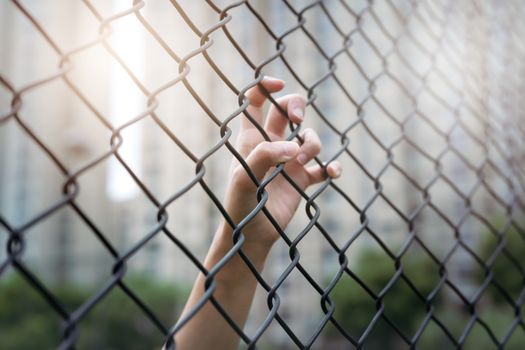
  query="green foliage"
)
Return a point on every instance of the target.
[
  {"x": 456, "y": 320},
  {"x": 508, "y": 266},
  {"x": 355, "y": 307},
  {"x": 27, "y": 321}
]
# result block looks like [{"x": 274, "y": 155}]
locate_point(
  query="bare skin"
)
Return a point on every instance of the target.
[{"x": 235, "y": 284}]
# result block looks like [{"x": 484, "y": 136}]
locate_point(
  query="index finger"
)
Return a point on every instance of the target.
[{"x": 256, "y": 98}]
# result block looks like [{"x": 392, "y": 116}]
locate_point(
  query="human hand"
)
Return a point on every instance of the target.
[
  {"x": 235, "y": 283},
  {"x": 261, "y": 156}
]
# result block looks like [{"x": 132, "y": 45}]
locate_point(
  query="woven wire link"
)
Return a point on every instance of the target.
[{"x": 463, "y": 73}]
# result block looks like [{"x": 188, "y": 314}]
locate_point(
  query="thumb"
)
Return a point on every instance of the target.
[{"x": 265, "y": 156}]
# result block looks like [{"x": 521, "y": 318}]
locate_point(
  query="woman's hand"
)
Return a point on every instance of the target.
[
  {"x": 234, "y": 283},
  {"x": 261, "y": 156}
]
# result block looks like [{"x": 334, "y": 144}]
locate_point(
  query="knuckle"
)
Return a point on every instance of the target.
[
  {"x": 312, "y": 140},
  {"x": 238, "y": 172},
  {"x": 263, "y": 150},
  {"x": 255, "y": 97},
  {"x": 297, "y": 97},
  {"x": 249, "y": 95},
  {"x": 240, "y": 176},
  {"x": 312, "y": 136}
]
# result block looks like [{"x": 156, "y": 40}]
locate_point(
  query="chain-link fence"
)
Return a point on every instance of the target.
[{"x": 420, "y": 244}]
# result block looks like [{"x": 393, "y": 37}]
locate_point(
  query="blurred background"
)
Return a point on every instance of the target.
[{"x": 429, "y": 206}]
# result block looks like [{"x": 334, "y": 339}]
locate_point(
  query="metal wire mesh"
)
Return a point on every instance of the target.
[{"x": 417, "y": 83}]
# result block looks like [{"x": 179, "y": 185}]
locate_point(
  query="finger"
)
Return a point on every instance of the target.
[
  {"x": 317, "y": 173},
  {"x": 265, "y": 156},
  {"x": 257, "y": 98},
  {"x": 294, "y": 106},
  {"x": 310, "y": 147}
]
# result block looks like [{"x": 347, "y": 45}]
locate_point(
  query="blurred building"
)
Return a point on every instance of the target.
[{"x": 63, "y": 246}]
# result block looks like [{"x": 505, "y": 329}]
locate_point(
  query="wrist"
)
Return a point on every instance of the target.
[
  {"x": 257, "y": 243},
  {"x": 236, "y": 268}
]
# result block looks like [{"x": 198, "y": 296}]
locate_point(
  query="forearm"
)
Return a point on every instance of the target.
[{"x": 235, "y": 288}]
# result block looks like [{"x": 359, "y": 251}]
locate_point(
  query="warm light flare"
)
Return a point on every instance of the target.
[{"x": 126, "y": 103}]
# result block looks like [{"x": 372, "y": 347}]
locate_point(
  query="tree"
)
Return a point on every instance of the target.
[
  {"x": 355, "y": 308},
  {"x": 26, "y": 319}
]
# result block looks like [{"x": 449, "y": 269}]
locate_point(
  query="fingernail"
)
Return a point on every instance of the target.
[
  {"x": 302, "y": 158},
  {"x": 299, "y": 113},
  {"x": 337, "y": 169},
  {"x": 272, "y": 79}
]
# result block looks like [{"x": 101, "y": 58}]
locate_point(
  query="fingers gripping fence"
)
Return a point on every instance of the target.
[{"x": 393, "y": 84}]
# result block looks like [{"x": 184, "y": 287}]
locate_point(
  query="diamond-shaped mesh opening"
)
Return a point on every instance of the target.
[
  {"x": 44, "y": 326},
  {"x": 499, "y": 317},
  {"x": 350, "y": 298}
]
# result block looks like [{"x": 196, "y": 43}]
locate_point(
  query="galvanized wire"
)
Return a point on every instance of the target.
[{"x": 474, "y": 96}]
